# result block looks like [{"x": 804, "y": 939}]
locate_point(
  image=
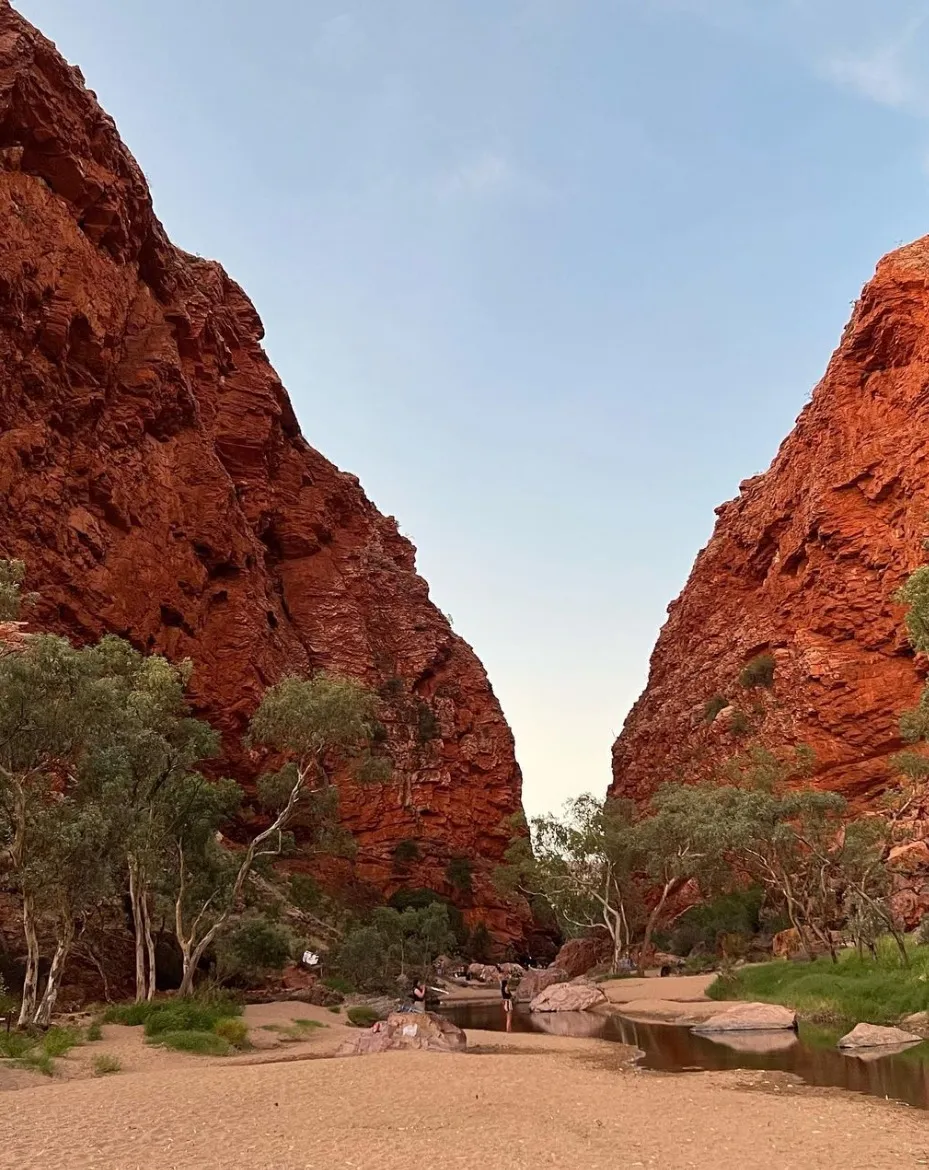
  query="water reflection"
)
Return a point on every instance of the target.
[{"x": 901, "y": 1075}]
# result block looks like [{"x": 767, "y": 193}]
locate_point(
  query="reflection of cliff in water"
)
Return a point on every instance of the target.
[{"x": 903, "y": 1076}]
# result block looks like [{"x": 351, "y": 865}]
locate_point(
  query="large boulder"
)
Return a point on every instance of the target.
[
  {"x": 580, "y": 955},
  {"x": 484, "y": 972},
  {"x": 750, "y": 1017},
  {"x": 872, "y": 1036},
  {"x": 535, "y": 982},
  {"x": 568, "y": 997},
  {"x": 407, "y": 1031}
]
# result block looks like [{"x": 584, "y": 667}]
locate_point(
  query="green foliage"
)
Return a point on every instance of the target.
[
  {"x": 105, "y": 1066},
  {"x": 924, "y": 931},
  {"x": 878, "y": 991},
  {"x": 94, "y": 1032},
  {"x": 704, "y": 925},
  {"x": 459, "y": 874},
  {"x": 759, "y": 672},
  {"x": 427, "y": 725},
  {"x": 480, "y": 945},
  {"x": 406, "y": 852},
  {"x": 419, "y": 899},
  {"x": 201, "y": 1043},
  {"x": 251, "y": 947},
  {"x": 362, "y": 1016},
  {"x": 132, "y": 1015},
  {"x": 394, "y": 943},
  {"x": 305, "y": 892},
  {"x": 58, "y": 1041},
  {"x": 339, "y": 983},
  {"x": 915, "y": 595},
  {"x": 234, "y": 1032},
  {"x": 713, "y": 707},
  {"x": 12, "y": 599}
]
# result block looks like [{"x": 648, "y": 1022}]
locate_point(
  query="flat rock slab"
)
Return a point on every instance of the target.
[
  {"x": 407, "y": 1031},
  {"x": 872, "y": 1036},
  {"x": 751, "y": 1017},
  {"x": 568, "y": 997}
]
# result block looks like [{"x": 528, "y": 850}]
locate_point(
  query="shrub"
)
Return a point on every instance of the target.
[
  {"x": 305, "y": 892},
  {"x": 740, "y": 725},
  {"x": 234, "y": 1032},
  {"x": 427, "y": 726},
  {"x": 362, "y": 1016},
  {"x": 188, "y": 1016},
  {"x": 252, "y": 947},
  {"x": 335, "y": 1009},
  {"x": 713, "y": 707},
  {"x": 202, "y": 1043},
  {"x": 58, "y": 1041},
  {"x": 94, "y": 1031},
  {"x": 105, "y": 1066},
  {"x": 924, "y": 931},
  {"x": 339, "y": 983},
  {"x": 131, "y": 1015},
  {"x": 759, "y": 672},
  {"x": 459, "y": 874},
  {"x": 406, "y": 851}
]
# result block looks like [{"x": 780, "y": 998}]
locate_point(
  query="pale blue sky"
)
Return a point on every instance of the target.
[{"x": 550, "y": 276}]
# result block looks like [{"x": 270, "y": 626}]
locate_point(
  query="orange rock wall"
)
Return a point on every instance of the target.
[
  {"x": 804, "y": 564},
  {"x": 154, "y": 478}
]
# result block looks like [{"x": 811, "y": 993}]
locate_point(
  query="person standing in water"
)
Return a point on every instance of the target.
[{"x": 506, "y": 995}]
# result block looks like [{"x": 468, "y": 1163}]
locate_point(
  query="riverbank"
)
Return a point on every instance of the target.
[{"x": 530, "y": 1100}]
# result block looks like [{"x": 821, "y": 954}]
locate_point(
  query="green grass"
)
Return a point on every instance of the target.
[
  {"x": 362, "y": 1016},
  {"x": 338, "y": 983},
  {"x": 298, "y": 1030},
  {"x": 309, "y": 1024},
  {"x": 37, "y": 1052},
  {"x": 851, "y": 991},
  {"x": 336, "y": 1009},
  {"x": 94, "y": 1031},
  {"x": 200, "y": 1014},
  {"x": 105, "y": 1066},
  {"x": 201, "y": 1043}
]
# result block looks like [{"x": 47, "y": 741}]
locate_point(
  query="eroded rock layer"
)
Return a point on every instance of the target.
[
  {"x": 804, "y": 566},
  {"x": 155, "y": 480}
]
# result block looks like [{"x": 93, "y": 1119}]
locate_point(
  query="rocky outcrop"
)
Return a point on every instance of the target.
[
  {"x": 873, "y": 1036},
  {"x": 154, "y": 478},
  {"x": 568, "y": 997},
  {"x": 407, "y": 1031},
  {"x": 750, "y": 1017},
  {"x": 534, "y": 982},
  {"x": 580, "y": 955},
  {"x": 787, "y": 632}
]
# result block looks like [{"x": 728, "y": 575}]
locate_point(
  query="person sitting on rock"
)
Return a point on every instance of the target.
[{"x": 419, "y": 996}]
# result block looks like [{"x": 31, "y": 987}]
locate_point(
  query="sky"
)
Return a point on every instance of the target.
[{"x": 550, "y": 276}]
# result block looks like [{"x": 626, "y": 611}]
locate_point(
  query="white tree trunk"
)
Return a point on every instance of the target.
[
  {"x": 141, "y": 979},
  {"x": 43, "y": 1014},
  {"x": 31, "y": 982},
  {"x": 149, "y": 948}
]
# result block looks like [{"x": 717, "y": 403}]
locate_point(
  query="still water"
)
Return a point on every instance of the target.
[{"x": 812, "y": 1056}]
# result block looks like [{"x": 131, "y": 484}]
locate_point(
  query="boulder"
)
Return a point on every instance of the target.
[
  {"x": 918, "y": 1022},
  {"x": 568, "y": 997},
  {"x": 407, "y": 1031},
  {"x": 750, "y": 1017},
  {"x": 535, "y": 982},
  {"x": 484, "y": 972},
  {"x": 580, "y": 955},
  {"x": 872, "y": 1036}
]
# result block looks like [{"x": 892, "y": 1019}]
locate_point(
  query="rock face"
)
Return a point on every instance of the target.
[
  {"x": 407, "y": 1031},
  {"x": 534, "y": 982},
  {"x": 154, "y": 478},
  {"x": 804, "y": 566},
  {"x": 750, "y": 1017},
  {"x": 580, "y": 955},
  {"x": 568, "y": 997},
  {"x": 872, "y": 1036}
]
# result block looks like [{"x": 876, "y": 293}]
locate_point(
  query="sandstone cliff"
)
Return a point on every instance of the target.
[
  {"x": 154, "y": 478},
  {"x": 804, "y": 566}
]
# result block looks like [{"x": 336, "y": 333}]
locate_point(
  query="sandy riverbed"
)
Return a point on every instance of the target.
[{"x": 523, "y": 1101}]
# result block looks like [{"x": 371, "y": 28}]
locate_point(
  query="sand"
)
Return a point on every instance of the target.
[{"x": 521, "y": 1101}]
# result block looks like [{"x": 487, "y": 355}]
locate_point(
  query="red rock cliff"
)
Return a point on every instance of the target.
[
  {"x": 155, "y": 480},
  {"x": 804, "y": 565}
]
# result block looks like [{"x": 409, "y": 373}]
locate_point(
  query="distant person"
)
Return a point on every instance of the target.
[
  {"x": 419, "y": 996},
  {"x": 506, "y": 996}
]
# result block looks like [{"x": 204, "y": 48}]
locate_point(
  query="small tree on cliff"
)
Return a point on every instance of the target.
[
  {"x": 322, "y": 724},
  {"x": 583, "y": 865}
]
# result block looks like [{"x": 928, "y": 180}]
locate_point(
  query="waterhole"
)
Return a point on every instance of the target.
[{"x": 670, "y": 1048}]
